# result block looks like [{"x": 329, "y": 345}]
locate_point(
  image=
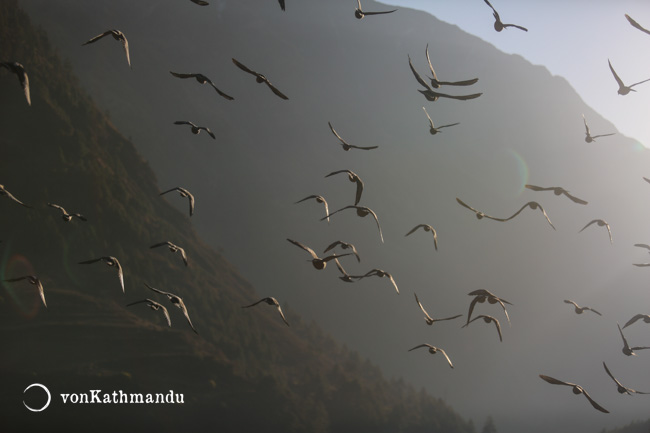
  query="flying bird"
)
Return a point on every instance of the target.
[
  {"x": 588, "y": 137},
  {"x": 433, "y": 130},
  {"x": 498, "y": 24},
  {"x": 118, "y": 36},
  {"x": 427, "y": 318},
  {"x": 362, "y": 211},
  {"x": 622, "y": 88},
  {"x": 4, "y": 192},
  {"x": 202, "y": 79},
  {"x": 319, "y": 199},
  {"x": 533, "y": 205},
  {"x": 482, "y": 295},
  {"x": 345, "y": 144},
  {"x": 270, "y": 301},
  {"x": 19, "y": 70},
  {"x": 645, "y": 317},
  {"x": 577, "y": 389},
  {"x": 381, "y": 274},
  {"x": 359, "y": 14},
  {"x": 173, "y": 248},
  {"x": 354, "y": 178},
  {"x": 637, "y": 25},
  {"x": 601, "y": 223},
  {"x": 344, "y": 246},
  {"x": 432, "y": 95},
  {"x": 433, "y": 350},
  {"x": 435, "y": 83},
  {"x": 627, "y": 350},
  {"x": 578, "y": 309},
  {"x": 177, "y": 301},
  {"x": 110, "y": 261},
  {"x": 319, "y": 263},
  {"x": 195, "y": 129},
  {"x": 184, "y": 193},
  {"x": 426, "y": 228},
  {"x": 557, "y": 190},
  {"x": 479, "y": 214},
  {"x": 155, "y": 306},
  {"x": 260, "y": 79},
  {"x": 487, "y": 319},
  {"x": 32, "y": 279},
  {"x": 66, "y": 216},
  {"x": 620, "y": 388}
]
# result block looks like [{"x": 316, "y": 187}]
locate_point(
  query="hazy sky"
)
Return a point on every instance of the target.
[{"x": 572, "y": 39}]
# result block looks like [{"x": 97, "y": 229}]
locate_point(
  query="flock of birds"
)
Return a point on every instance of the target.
[{"x": 430, "y": 90}]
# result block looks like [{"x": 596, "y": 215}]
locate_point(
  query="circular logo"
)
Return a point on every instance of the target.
[{"x": 47, "y": 391}]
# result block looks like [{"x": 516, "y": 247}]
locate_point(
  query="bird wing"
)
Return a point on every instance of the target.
[
  {"x": 304, "y": 247},
  {"x": 421, "y": 307},
  {"x": 374, "y": 215},
  {"x": 632, "y": 85},
  {"x": 56, "y": 206},
  {"x": 462, "y": 203},
  {"x": 334, "y": 256},
  {"x": 451, "y": 124},
  {"x": 11, "y": 196},
  {"x": 539, "y": 188},
  {"x": 343, "y": 208},
  {"x": 200, "y": 3},
  {"x": 496, "y": 322},
  {"x": 336, "y": 134},
  {"x": 120, "y": 274},
  {"x": 593, "y": 403},
  {"x": 471, "y": 308},
  {"x": 591, "y": 309},
  {"x": 190, "y": 197},
  {"x": 184, "y": 122},
  {"x": 359, "y": 183},
  {"x": 482, "y": 292},
  {"x": 186, "y": 314},
  {"x": 183, "y": 254},
  {"x": 603, "y": 135},
  {"x": 363, "y": 147},
  {"x": 179, "y": 75},
  {"x": 516, "y": 26},
  {"x": 160, "y": 244},
  {"x": 450, "y": 318},
  {"x": 87, "y": 262},
  {"x": 225, "y": 95},
  {"x": 643, "y": 246},
  {"x": 616, "y": 77},
  {"x": 170, "y": 190},
  {"x": 157, "y": 290},
  {"x": 543, "y": 212},
  {"x": 639, "y": 347},
  {"x": 41, "y": 291},
  {"x": 496, "y": 14},
  {"x": 210, "y": 133},
  {"x": 282, "y": 6},
  {"x": 458, "y": 83},
  {"x": 379, "y": 13},
  {"x": 166, "y": 313},
  {"x": 414, "y": 229},
  {"x": 556, "y": 381},
  {"x": 13, "y": 280},
  {"x": 244, "y": 68},
  {"x": 275, "y": 90},
  {"x": 566, "y": 301},
  {"x": 125, "y": 44},
  {"x": 282, "y": 314},
  {"x": 447, "y": 357},
  {"x": 633, "y": 319},
  {"x": 504, "y": 309},
  {"x": 255, "y": 303},
  {"x": 338, "y": 265},
  {"x": 24, "y": 81},
  {"x": 590, "y": 223},
  {"x": 429, "y": 117},
  {"x": 98, "y": 37},
  {"x": 586, "y": 126},
  {"x": 636, "y": 25},
  {"x": 611, "y": 375},
  {"x": 418, "y": 77},
  {"x": 307, "y": 198},
  {"x": 435, "y": 77},
  {"x": 421, "y": 345},
  {"x": 574, "y": 198},
  {"x": 609, "y": 231},
  {"x": 623, "y": 336}
]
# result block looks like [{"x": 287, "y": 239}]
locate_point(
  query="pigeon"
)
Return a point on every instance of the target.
[
  {"x": 184, "y": 193},
  {"x": 557, "y": 190},
  {"x": 577, "y": 389},
  {"x": 271, "y": 301},
  {"x": 354, "y": 178},
  {"x": 177, "y": 301},
  {"x": 362, "y": 211},
  {"x": 110, "y": 261},
  {"x": 426, "y": 228},
  {"x": 319, "y": 263},
  {"x": 202, "y": 79},
  {"x": 173, "y": 248},
  {"x": 118, "y": 36},
  {"x": 622, "y": 88},
  {"x": 427, "y": 318},
  {"x": 154, "y": 306},
  {"x": 498, "y": 24},
  {"x": 19, "y": 70},
  {"x": 66, "y": 216},
  {"x": 359, "y": 14},
  {"x": 433, "y": 350},
  {"x": 347, "y": 146},
  {"x": 260, "y": 79},
  {"x": 32, "y": 279},
  {"x": 195, "y": 129}
]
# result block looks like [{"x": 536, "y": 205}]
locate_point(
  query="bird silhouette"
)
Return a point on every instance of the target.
[
  {"x": 67, "y": 217},
  {"x": 195, "y": 129},
  {"x": 354, "y": 178},
  {"x": 346, "y": 146},
  {"x": 202, "y": 79},
  {"x": 110, "y": 261},
  {"x": 627, "y": 350},
  {"x": 432, "y": 95},
  {"x": 590, "y": 138},
  {"x": 577, "y": 389},
  {"x": 619, "y": 386},
  {"x": 32, "y": 279},
  {"x": 184, "y": 193},
  {"x": 344, "y": 246},
  {"x": 637, "y": 25},
  {"x": 533, "y": 205},
  {"x": 578, "y": 309},
  {"x": 433, "y": 130},
  {"x": 359, "y": 13},
  {"x": 177, "y": 301},
  {"x": 426, "y": 228},
  {"x": 600, "y": 223},
  {"x": 118, "y": 36},
  {"x": 270, "y": 301},
  {"x": 482, "y": 295},
  {"x": 557, "y": 190},
  {"x": 319, "y": 263},
  {"x": 498, "y": 24},
  {"x": 173, "y": 248},
  {"x": 362, "y": 211},
  {"x": 433, "y": 350},
  {"x": 645, "y": 317},
  {"x": 487, "y": 319},
  {"x": 19, "y": 70},
  {"x": 260, "y": 79},
  {"x": 427, "y": 318},
  {"x": 622, "y": 88}
]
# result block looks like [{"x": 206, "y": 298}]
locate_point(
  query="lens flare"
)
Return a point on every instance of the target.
[{"x": 522, "y": 169}]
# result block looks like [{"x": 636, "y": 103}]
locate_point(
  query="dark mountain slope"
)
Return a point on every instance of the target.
[{"x": 245, "y": 369}]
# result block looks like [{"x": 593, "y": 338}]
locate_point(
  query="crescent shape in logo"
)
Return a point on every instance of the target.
[{"x": 47, "y": 391}]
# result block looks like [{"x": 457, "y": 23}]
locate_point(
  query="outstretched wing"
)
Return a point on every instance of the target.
[
  {"x": 98, "y": 37},
  {"x": 244, "y": 68},
  {"x": 275, "y": 90},
  {"x": 616, "y": 77},
  {"x": 304, "y": 247},
  {"x": 636, "y": 25}
]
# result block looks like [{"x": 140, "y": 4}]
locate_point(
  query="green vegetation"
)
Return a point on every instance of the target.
[{"x": 245, "y": 370}]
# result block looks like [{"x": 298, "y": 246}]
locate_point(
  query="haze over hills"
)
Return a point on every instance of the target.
[
  {"x": 525, "y": 128},
  {"x": 244, "y": 369}
]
